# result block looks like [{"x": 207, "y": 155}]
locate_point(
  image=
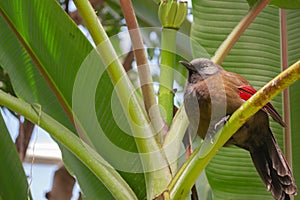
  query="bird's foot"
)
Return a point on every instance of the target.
[
  {"x": 220, "y": 123},
  {"x": 214, "y": 129}
]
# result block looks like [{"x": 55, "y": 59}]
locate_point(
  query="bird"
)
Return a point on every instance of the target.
[{"x": 211, "y": 96}]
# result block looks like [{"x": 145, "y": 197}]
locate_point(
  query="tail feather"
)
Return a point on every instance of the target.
[{"x": 273, "y": 169}]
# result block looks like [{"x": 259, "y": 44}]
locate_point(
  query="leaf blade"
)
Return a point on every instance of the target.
[
  {"x": 60, "y": 48},
  {"x": 11, "y": 170}
]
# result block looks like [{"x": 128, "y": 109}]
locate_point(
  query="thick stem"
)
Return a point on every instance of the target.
[
  {"x": 187, "y": 175},
  {"x": 235, "y": 34},
  {"x": 173, "y": 139},
  {"x": 286, "y": 98},
  {"x": 143, "y": 66},
  {"x": 166, "y": 94},
  {"x": 103, "y": 171}
]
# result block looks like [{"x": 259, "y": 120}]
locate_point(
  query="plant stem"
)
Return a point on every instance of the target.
[
  {"x": 143, "y": 66},
  {"x": 187, "y": 175},
  {"x": 155, "y": 164},
  {"x": 286, "y": 98},
  {"x": 166, "y": 94},
  {"x": 235, "y": 34},
  {"x": 173, "y": 139},
  {"x": 103, "y": 171}
]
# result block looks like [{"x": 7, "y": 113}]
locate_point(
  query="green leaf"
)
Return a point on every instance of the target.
[
  {"x": 44, "y": 33},
  {"x": 13, "y": 184},
  {"x": 45, "y": 40},
  {"x": 256, "y": 56},
  {"x": 252, "y": 3},
  {"x": 287, "y": 4},
  {"x": 26, "y": 78}
]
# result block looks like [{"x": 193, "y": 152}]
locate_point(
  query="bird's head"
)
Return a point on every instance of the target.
[{"x": 200, "y": 68}]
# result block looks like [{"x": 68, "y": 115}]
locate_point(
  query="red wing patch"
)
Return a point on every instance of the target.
[{"x": 246, "y": 91}]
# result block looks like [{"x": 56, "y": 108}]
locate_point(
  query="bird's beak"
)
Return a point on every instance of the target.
[{"x": 188, "y": 65}]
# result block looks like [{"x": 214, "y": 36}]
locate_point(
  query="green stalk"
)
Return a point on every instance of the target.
[
  {"x": 187, "y": 175},
  {"x": 235, "y": 34},
  {"x": 103, "y": 171},
  {"x": 166, "y": 94},
  {"x": 171, "y": 15},
  {"x": 173, "y": 139},
  {"x": 150, "y": 151}
]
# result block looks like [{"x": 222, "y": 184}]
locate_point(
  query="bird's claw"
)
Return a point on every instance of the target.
[
  {"x": 220, "y": 123},
  {"x": 216, "y": 127}
]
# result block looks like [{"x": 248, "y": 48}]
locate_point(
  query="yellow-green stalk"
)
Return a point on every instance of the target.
[{"x": 171, "y": 15}]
